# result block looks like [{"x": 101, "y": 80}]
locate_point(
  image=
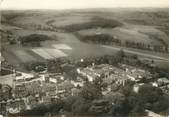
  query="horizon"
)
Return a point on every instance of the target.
[
  {"x": 80, "y": 4},
  {"x": 75, "y": 9}
]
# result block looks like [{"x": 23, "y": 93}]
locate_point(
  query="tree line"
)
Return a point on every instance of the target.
[{"x": 110, "y": 40}]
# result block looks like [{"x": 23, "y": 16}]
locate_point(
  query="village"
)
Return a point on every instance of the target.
[{"x": 27, "y": 90}]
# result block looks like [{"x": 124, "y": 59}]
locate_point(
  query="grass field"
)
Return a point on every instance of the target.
[
  {"x": 7, "y": 79},
  {"x": 23, "y": 56}
]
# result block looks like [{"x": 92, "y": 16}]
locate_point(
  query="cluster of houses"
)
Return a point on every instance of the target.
[
  {"x": 29, "y": 90},
  {"x": 111, "y": 75},
  {"x": 120, "y": 75}
]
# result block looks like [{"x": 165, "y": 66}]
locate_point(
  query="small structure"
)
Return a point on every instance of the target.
[
  {"x": 152, "y": 114},
  {"x": 163, "y": 81},
  {"x": 1, "y": 58},
  {"x": 136, "y": 87}
]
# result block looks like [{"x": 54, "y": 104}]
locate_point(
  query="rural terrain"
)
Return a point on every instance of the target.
[{"x": 71, "y": 29}]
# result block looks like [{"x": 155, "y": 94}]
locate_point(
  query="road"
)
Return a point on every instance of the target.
[{"x": 138, "y": 53}]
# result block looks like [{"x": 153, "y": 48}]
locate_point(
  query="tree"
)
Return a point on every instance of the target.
[
  {"x": 68, "y": 102},
  {"x": 80, "y": 106},
  {"x": 120, "y": 55},
  {"x": 90, "y": 91},
  {"x": 118, "y": 103},
  {"x": 153, "y": 98},
  {"x": 42, "y": 109},
  {"x": 150, "y": 94},
  {"x": 115, "y": 97},
  {"x": 99, "y": 107},
  {"x": 161, "y": 105},
  {"x": 135, "y": 106},
  {"x": 137, "y": 110}
]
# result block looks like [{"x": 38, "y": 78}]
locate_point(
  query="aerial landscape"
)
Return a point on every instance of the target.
[{"x": 85, "y": 62}]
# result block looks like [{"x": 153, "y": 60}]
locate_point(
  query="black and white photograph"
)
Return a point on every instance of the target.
[{"x": 84, "y": 58}]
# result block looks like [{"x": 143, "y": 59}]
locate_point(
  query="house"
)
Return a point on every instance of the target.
[
  {"x": 155, "y": 84},
  {"x": 75, "y": 91},
  {"x": 138, "y": 74},
  {"x": 23, "y": 76},
  {"x": 136, "y": 87},
  {"x": 52, "y": 80},
  {"x": 135, "y": 74},
  {"x": 55, "y": 78},
  {"x": 77, "y": 83},
  {"x": 1, "y": 58},
  {"x": 119, "y": 78},
  {"x": 162, "y": 81}
]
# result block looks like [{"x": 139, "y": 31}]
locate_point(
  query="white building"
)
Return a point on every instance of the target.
[
  {"x": 1, "y": 59},
  {"x": 136, "y": 87}
]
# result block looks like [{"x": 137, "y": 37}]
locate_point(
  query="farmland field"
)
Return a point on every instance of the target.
[
  {"x": 23, "y": 56},
  {"x": 49, "y": 53},
  {"x": 42, "y": 53},
  {"x": 151, "y": 30},
  {"x": 62, "y": 46},
  {"x": 55, "y": 53},
  {"x": 123, "y": 34},
  {"x": 7, "y": 79},
  {"x": 69, "y": 20}
]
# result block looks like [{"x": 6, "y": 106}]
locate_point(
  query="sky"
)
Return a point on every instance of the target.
[{"x": 79, "y": 4}]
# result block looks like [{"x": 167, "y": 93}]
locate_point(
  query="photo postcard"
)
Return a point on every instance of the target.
[{"x": 84, "y": 58}]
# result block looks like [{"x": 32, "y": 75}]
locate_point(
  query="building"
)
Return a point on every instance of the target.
[
  {"x": 136, "y": 87},
  {"x": 119, "y": 79},
  {"x": 89, "y": 73},
  {"x": 93, "y": 72},
  {"x": 77, "y": 83},
  {"x": 162, "y": 81},
  {"x": 1, "y": 59},
  {"x": 21, "y": 76},
  {"x": 75, "y": 91},
  {"x": 136, "y": 74}
]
